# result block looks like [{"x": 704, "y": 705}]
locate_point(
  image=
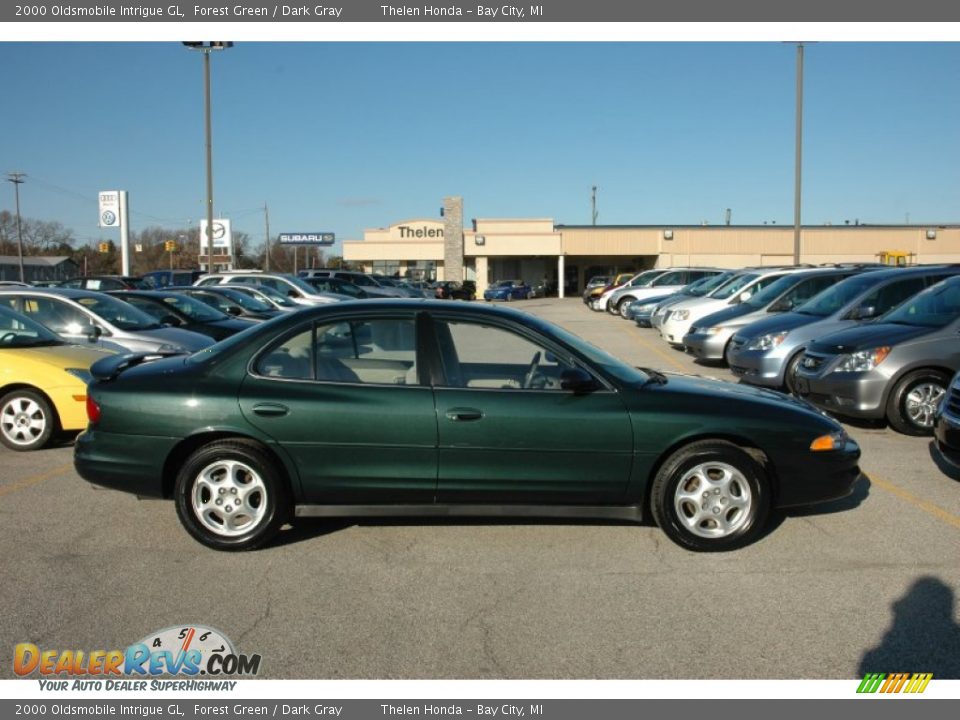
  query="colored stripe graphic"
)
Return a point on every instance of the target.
[{"x": 895, "y": 682}]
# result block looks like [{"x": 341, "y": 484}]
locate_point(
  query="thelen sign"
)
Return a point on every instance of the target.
[{"x": 311, "y": 238}]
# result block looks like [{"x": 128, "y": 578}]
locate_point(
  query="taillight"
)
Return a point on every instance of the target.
[{"x": 93, "y": 410}]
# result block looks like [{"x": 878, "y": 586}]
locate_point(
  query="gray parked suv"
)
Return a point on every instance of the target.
[
  {"x": 897, "y": 367},
  {"x": 767, "y": 352}
]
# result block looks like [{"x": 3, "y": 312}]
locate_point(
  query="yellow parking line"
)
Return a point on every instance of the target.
[
  {"x": 634, "y": 332},
  {"x": 34, "y": 479},
  {"x": 928, "y": 507}
]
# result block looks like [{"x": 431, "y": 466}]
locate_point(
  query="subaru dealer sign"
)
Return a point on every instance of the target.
[{"x": 307, "y": 238}]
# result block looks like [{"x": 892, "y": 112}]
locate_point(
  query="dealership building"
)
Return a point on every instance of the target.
[{"x": 536, "y": 249}]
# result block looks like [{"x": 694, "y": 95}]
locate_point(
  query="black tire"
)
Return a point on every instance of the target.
[
  {"x": 790, "y": 374},
  {"x": 27, "y": 421},
  {"x": 269, "y": 495},
  {"x": 913, "y": 420},
  {"x": 745, "y": 504}
]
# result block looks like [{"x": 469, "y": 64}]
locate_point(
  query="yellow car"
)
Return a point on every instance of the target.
[{"x": 43, "y": 383}]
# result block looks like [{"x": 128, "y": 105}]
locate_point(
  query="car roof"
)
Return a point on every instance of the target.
[{"x": 69, "y": 293}]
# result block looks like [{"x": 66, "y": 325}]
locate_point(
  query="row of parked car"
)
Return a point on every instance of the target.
[{"x": 861, "y": 341}]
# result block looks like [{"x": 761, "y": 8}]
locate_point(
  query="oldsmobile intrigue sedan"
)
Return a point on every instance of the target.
[{"x": 421, "y": 407}]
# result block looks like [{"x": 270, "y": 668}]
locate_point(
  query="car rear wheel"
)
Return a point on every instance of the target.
[
  {"x": 914, "y": 400},
  {"x": 27, "y": 421},
  {"x": 230, "y": 497},
  {"x": 711, "y": 496}
]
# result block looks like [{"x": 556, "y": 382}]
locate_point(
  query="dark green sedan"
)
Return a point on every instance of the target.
[{"x": 420, "y": 407}]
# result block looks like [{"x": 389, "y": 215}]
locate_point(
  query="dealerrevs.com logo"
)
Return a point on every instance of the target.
[
  {"x": 911, "y": 683},
  {"x": 180, "y": 651}
]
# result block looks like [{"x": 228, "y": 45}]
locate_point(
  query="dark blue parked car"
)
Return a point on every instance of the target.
[{"x": 508, "y": 290}]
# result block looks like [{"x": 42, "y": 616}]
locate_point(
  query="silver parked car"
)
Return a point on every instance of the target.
[
  {"x": 897, "y": 367},
  {"x": 710, "y": 337},
  {"x": 82, "y": 316},
  {"x": 767, "y": 352},
  {"x": 290, "y": 285}
]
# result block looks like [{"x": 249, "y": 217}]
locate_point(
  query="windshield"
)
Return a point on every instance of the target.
[
  {"x": 300, "y": 284},
  {"x": 774, "y": 290},
  {"x": 609, "y": 363},
  {"x": 737, "y": 283},
  {"x": 670, "y": 278},
  {"x": 275, "y": 295},
  {"x": 226, "y": 297},
  {"x": 194, "y": 309},
  {"x": 838, "y": 296},
  {"x": 19, "y": 331},
  {"x": 708, "y": 284},
  {"x": 120, "y": 314},
  {"x": 645, "y": 278},
  {"x": 933, "y": 308}
]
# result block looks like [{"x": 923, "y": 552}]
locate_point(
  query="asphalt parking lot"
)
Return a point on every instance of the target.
[{"x": 869, "y": 583}]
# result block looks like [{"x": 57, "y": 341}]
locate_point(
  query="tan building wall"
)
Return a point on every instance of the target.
[{"x": 554, "y": 247}]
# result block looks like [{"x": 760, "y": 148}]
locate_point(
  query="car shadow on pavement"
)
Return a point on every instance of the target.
[
  {"x": 946, "y": 468},
  {"x": 923, "y": 637}
]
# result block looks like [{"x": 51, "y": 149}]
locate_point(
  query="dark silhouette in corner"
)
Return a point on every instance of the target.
[{"x": 923, "y": 637}]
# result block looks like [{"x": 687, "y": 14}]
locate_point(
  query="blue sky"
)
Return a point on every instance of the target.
[{"x": 345, "y": 136}]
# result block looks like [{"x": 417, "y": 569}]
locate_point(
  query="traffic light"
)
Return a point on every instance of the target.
[
  {"x": 170, "y": 246},
  {"x": 104, "y": 247}
]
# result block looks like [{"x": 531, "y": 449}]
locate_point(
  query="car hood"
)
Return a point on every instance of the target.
[
  {"x": 869, "y": 335},
  {"x": 778, "y": 323},
  {"x": 58, "y": 356},
  {"x": 657, "y": 299},
  {"x": 695, "y": 387}
]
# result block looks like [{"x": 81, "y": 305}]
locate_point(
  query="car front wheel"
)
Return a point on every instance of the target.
[
  {"x": 914, "y": 400},
  {"x": 711, "y": 496},
  {"x": 26, "y": 420},
  {"x": 230, "y": 497}
]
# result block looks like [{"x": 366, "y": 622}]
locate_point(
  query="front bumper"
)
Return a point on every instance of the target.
[
  {"x": 819, "y": 477},
  {"x": 132, "y": 463},
  {"x": 707, "y": 346},
  {"x": 673, "y": 331},
  {"x": 946, "y": 438},
  {"x": 757, "y": 367},
  {"x": 855, "y": 394}
]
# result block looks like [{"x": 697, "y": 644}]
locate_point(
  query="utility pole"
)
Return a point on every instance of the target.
[
  {"x": 17, "y": 179},
  {"x": 798, "y": 158},
  {"x": 593, "y": 205},
  {"x": 266, "y": 218}
]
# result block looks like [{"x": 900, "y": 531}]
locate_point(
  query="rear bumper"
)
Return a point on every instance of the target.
[{"x": 131, "y": 463}]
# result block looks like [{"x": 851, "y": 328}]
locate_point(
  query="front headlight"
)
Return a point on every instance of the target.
[
  {"x": 681, "y": 315},
  {"x": 82, "y": 374},
  {"x": 645, "y": 308},
  {"x": 167, "y": 347},
  {"x": 863, "y": 360},
  {"x": 707, "y": 330},
  {"x": 767, "y": 342}
]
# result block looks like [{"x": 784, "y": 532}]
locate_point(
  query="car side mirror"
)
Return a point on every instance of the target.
[
  {"x": 866, "y": 311},
  {"x": 744, "y": 296},
  {"x": 577, "y": 380},
  {"x": 781, "y": 306},
  {"x": 171, "y": 321},
  {"x": 235, "y": 310},
  {"x": 93, "y": 333}
]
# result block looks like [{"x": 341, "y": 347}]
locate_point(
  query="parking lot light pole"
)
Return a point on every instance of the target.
[
  {"x": 206, "y": 48},
  {"x": 798, "y": 157},
  {"x": 17, "y": 178}
]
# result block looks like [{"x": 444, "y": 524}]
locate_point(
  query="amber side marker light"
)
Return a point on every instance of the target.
[{"x": 824, "y": 443}]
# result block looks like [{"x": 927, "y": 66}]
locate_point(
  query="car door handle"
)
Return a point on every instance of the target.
[
  {"x": 463, "y": 414},
  {"x": 270, "y": 409}
]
